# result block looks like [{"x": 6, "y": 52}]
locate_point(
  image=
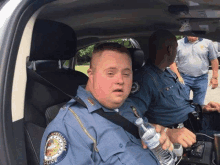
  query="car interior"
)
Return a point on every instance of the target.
[
  {"x": 49, "y": 85},
  {"x": 54, "y": 32}
]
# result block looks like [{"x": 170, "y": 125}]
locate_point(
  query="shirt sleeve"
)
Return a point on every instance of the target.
[
  {"x": 78, "y": 153},
  {"x": 62, "y": 148},
  {"x": 177, "y": 53},
  {"x": 212, "y": 54},
  {"x": 218, "y": 46}
]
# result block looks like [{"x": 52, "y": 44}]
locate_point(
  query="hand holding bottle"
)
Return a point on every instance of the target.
[
  {"x": 164, "y": 139},
  {"x": 150, "y": 137}
]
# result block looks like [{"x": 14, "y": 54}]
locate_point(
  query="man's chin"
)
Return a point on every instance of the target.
[
  {"x": 119, "y": 102},
  {"x": 112, "y": 105}
]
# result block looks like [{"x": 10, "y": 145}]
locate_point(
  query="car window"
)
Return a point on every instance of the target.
[{"x": 83, "y": 56}]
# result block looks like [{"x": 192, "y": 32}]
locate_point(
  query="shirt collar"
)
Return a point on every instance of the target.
[
  {"x": 90, "y": 101},
  {"x": 186, "y": 39},
  {"x": 170, "y": 73}
]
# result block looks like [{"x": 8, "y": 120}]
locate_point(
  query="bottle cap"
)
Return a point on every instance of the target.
[{"x": 139, "y": 121}]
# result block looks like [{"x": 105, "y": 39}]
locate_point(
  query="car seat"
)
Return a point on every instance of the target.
[{"x": 49, "y": 85}]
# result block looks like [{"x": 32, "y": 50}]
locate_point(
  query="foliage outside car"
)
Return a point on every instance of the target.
[{"x": 84, "y": 55}]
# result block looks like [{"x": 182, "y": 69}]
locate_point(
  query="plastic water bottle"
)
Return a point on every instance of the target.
[{"x": 150, "y": 137}]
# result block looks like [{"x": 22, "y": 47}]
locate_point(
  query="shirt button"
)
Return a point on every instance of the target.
[{"x": 120, "y": 145}]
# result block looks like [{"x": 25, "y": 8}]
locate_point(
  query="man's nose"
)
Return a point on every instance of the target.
[{"x": 120, "y": 79}]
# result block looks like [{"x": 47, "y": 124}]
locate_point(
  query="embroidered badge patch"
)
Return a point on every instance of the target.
[
  {"x": 135, "y": 111},
  {"x": 55, "y": 149},
  {"x": 135, "y": 87},
  {"x": 201, "y": 47}
]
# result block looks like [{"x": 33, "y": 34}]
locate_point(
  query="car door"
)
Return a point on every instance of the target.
[{"x": 16, "y": 22}]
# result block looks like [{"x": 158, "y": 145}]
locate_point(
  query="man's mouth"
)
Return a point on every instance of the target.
[{"x": 118, "y": 90}]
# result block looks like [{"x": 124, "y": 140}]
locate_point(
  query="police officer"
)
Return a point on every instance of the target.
[
  {"x": 78, "y": 135},
  {"x": 192, "y": 60},
  {"x": 158, "y": 90}
]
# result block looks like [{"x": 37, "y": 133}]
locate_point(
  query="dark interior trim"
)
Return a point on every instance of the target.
[{"x": 11, "y": 149}]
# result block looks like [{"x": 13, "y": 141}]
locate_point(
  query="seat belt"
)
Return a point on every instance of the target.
[
  {"x": 113, "y": 117},
  {"x": 117, "y": 119},
  {"x": 42, "y": 80}
]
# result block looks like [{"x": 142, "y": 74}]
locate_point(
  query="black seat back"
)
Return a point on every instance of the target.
[
  {"x": 47, "y": 80},
  {"x": 138, "y": 58}
]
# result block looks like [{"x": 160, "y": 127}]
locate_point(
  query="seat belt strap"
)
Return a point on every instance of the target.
[
  {"x": 113, "y": 117},
  {"x": 117, "y": 119},
  {"x": 45, "y": 81}
]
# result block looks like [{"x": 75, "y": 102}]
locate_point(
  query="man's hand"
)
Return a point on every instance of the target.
[
  {"x": 182, "y": 136},
  {"x": 211, "y": 107},
  {"x": 213, "y": 83},
  {"x": 181, "y": 80},
  {"x": 164, "y": 140}
]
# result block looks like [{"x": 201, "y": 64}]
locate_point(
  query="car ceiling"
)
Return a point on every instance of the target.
[{"x": 98, "y": 20}]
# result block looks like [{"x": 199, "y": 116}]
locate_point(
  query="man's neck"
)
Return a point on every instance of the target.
[
  {"x": 192, "y": 41},
  {"x": 160, "y": 65}
]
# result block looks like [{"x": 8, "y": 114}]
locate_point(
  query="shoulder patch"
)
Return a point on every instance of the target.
[
  {"x": 56, "y": 148},
  {"x": 201, "y": 47},
  {"x": 135, "y": 87}
]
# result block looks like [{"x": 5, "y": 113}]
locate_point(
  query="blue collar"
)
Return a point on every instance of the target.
[
  {"x": 186, "y": 39},
  {"x": 90, "y": 101}
]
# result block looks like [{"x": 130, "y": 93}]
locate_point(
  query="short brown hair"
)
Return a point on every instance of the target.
[
  {"x": 110, "y": 46},
  {"x": 114, "y": 46}
]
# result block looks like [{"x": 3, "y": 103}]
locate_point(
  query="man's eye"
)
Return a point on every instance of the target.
[
  {"x": 110, "y": 73},
  {"x": 126, "y": 74}
]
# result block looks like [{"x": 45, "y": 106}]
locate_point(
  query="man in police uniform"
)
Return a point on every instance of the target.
[
  {"x": 157, "y": 90},
  {"x": 78, "y": 135},
  {"x": 192, "y": 60}
]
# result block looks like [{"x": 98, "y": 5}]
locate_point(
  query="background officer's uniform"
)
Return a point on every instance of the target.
[
  {"x": 161, "y": 95},
  {"x": 94, "y": 140},
  {"x": 192, "y": 60},
  {"x": 163, "y": 98}
]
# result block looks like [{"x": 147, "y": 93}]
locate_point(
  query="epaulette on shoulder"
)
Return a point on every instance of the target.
[
  {"x": 69, "y": 103},
  {"x": 80, "y": 101}
]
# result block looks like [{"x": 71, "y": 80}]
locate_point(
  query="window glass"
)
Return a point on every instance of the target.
[{"x": 84, "y": 55}]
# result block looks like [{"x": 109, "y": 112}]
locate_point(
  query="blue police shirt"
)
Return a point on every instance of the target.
[
  {"x": 193, "y": 58},
  {"x": 160, "y": 95},
  {"x": 66, "y": 141}
]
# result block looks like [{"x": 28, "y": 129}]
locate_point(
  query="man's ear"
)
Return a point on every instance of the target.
[
  {"x": 89, "y": 72},
  {"x": 169, "y": 49}
]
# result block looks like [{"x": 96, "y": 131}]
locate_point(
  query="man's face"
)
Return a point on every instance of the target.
[
  {"x": 192, "y": 38},
  {"x": 173, "y": 52},
  {"x": 111, "y": 81}
]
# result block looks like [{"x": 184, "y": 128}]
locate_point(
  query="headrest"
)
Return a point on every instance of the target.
[
  {"x": 138, "y": 59},
  {"x": 52, "y": 41},
  {"x": 44, "y": 65}
]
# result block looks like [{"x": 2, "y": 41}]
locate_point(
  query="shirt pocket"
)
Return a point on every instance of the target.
[
  {"x": 169, "y": 96},
  {"x": 112, "y": 146},
  {"x": 134, "y": 139}
]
